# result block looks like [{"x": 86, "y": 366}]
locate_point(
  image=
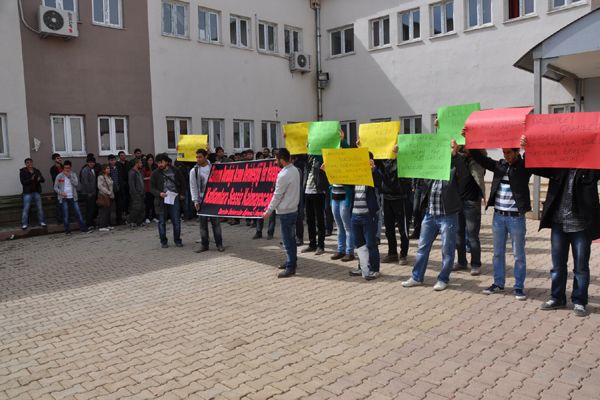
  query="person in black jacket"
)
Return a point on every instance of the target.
[
  {"x": 31, "y": 179},
  {"x": 441, "y": 204},
  {"x": 511, "y": 200},
  {"x": 572, "y": 212},
  {"x": 56, "y": 169},
  {"x": 315, "y": 188}
]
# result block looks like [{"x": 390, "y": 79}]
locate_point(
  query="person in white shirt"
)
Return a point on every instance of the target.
[{"x": 65, "y": 187}]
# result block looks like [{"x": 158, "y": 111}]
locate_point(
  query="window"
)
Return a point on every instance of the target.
[
  {"x": 214, "y": 129},
  {"x": 209, "y": 25},
  {"x": 112, "y": 134},
  {"x": 562, "y": 108},
  {"x": 410, "y": 25},
  {"x": 267, "y": 37},
  {"x": 442, "y": 18},
  {"x": 520, "y": 8},
  {"x": 381, "y": 119},
  {"x": 293, "y": 40},
  {"x": 270, "y": 134},
  {"x": 380, "y": 32},
  {"x": 107, "y": 12},
  {"x": 175, "y": 19},
  {"x": 68, "y": 135},
  {"x": 239, "y": 31},
  {"x": 242, "y": 134},
  {"x": 412, "y": 124},
  {"x": 3, "y": 137},
  {"x": 556, "y": 4},
  {"x": 70, "y": 5},
  {"x": 342, "y": 41},
  {"x": 479, "y": 13},
  {"x": 349, "y": 128},
  {"x": 175, "y": 128}
]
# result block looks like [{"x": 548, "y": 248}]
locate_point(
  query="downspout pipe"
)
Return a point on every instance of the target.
[{"x": 317, "y": 7}]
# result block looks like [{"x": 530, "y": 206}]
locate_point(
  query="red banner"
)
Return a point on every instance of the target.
[
  {"x": 240, "y": 190},
  {"x": 569, "y": 140},
  {"x": 497, "y": 128}
]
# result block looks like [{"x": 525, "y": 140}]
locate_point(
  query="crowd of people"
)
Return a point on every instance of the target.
[{"x": 150, "y": 189}]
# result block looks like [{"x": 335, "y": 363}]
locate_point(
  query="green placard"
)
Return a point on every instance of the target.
[
  {"x": 451, "y": 120},
  {"x": 323, "y": 135},
  {"x": 426, "y": 156}
]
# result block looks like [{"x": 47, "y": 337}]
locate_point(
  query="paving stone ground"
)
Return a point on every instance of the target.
[{"x": 114, "y": 316}]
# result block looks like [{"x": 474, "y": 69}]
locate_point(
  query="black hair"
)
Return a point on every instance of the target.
[
  {"x": 371, "y": 156},
  {"x": 55, "y": 156},
  {"x": 162, "y": 157},
  {"x": 219, "y": 148},
  {"x": 111, "y": 157},
  {"x": 249, "y": 151},
  {"x": 284, "y": 154},
  {"x": 136, "y": 150},
  {"x": 121, "y": 152},
  {"x": 149, "y": 155},
  {"x": 27, "y": 159},
  {"x": 67, "y": 163},
  {"x": 202, "y": 151}
]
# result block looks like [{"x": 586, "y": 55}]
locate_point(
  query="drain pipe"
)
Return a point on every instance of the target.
[{"x": 316, "y": 5}]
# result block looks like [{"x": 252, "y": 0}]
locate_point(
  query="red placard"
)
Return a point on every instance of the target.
[
  {"x": 497, "y": 128},
  {"x": 569, "y": 140}
]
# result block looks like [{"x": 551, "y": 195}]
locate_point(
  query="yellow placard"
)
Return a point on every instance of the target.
[
  {"x": 296, "y": 137},
  {"x": 188, "y": 144},
  {"x": 380, "y": 138},
  {"x": 348, "y": 166}
]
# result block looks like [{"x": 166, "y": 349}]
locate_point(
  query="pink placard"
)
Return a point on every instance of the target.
[{"x": 497, "y": 128}]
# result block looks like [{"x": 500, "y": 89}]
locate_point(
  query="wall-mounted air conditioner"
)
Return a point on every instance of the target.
[
  {"x": 299, "y": 62},
  {"x": 57, "y": 22}
]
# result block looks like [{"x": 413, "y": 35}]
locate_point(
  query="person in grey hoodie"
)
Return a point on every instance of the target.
[
  {"x": 65, "y": 186},
  {"x": 136, "y": 195},
  {"x": 89, "y": 187}
]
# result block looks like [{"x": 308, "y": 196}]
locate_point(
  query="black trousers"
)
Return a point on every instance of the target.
[
  {"x": 395, "y": 215},
  {"x": 315, "y": 219},
  {"x": 328, "y": 214}
]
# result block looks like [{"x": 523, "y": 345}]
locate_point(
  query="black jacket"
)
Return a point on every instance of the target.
[
  {"x": 518, "y": 176},
  {"x": 585, "y": 196},
  {"x": 157, "y": 185},
  {"x": 392, "y": 187},
  {"x": 451, "y": 189},
  {"x": 321, "y": 181},
  {"x": 31, "y": 181}
]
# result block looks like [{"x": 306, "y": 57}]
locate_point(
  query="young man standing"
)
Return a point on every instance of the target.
[
  {"x": 89, "y": 187},
  {"x": 136, "y": 195},
  {"x": 164, "y": 179},
  {"x": 199, "y": 175},
  {"x": 116, "y": 176},
  {"x": 66, "y": 190},
  {"x": 285, "y": 201},
  {"x": 56, "y": 169},
  {"x": 123, "y": 197},
  {"x": 315, "y": 188},
  {"x": 511, "y": 200},
  {"x": 31, "y": 180}
]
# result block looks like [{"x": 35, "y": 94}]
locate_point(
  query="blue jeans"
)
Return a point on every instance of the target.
[
  {"x": 469, "y": 225},
  {"x": 260, "y": 224},
  {"x": 216, "y": 228},
  {"x": 343, "y": 219},
  {"x": 65, "y": 210},
  {"x": 447, "y": 226},
  {"x": 515, "y": 226},
  {"x": 27, "y": 198},
  {"x": 364, "y": 227},
  {"x": 288, "y": 236},
  {"x": 173, "y": 212},
  {"x": 580, "y": 243}
]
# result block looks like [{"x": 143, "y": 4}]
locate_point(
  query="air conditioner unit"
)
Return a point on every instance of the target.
[
  {"x": 300, "y": 62},
  {"x": 57, "y": 22}
]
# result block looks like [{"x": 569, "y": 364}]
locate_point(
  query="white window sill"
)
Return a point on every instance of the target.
[
  {"x": 342, "y": 55},
  {"x": 107, "y": 25},
  {"x": 479, "y": 27},
  {"x": 443, "y": 35},
  {"x": 234, "y": 46},
  {"x": 105, "y": 153},
  {"x": 384, "y": 47},
  {"x": 67, "y": 155},
  {"x": 519, "y": 19},
  {"x": 568, "y": 7},
  {"x": 5, "y": 158},
  {"x": 409, "y": 42},
  {"x": 211, "y": 43},
  {"x": 268, "y": 53},
  {"x": 175, "y": 36}
]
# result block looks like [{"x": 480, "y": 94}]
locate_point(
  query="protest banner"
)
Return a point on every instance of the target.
[
  {"x": 323, "y": 135},
  {"x": 380, "y": 138},
  {"x": 188, "y": 144},
  {"x": 497, "y": 128},
  {"x": 348, "y": 166},
  {"x": 451, "y": 120},
  {"x": 425, "y": 156},
  {"x": 240, "y": 189},
  {"x": 296, "y": 137},
  {"x": 569, "y": 140}
]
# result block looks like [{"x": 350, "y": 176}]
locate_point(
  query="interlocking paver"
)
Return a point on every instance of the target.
[{"x": 114, "y": 316}]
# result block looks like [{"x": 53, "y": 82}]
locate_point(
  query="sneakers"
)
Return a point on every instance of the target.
[
  {"x": 411, "y": 283},
  {"x": 390, "y": 258},
  {"x": 220, "y": 249},
  {"x": 164, "y": 245},
  {"x": 579, "y": 310},
  {"x": 155, "y": 220},
  {"x": 110, "y": 227},
  {"x": 24, "y": 227},
  {"x": 338, "y": 256},
  {"x": 551, "y": 304},
  {"x": 286, "y": 273},
  {"x": 459, "y": 267},
  {"x": 257, "y": 235},
  {"x": 202, "y": 249},
  {"x": 103, "y": 230},
  {"x": 355, "y": 272},
  {"x": 43, "y": 225},
  {"x": 439, "y": 286},
  {"x": 475, "y": 271},
  {"x": 493, "y": 289},
  {"x": 403, "y": 260},
  {"x": 319, "y": 251},
  {"x": 372, "y": 275},
  {"x": 520, "y": 294},
  {"x": 308, "y": 250},
  {"x": 147, "y": 221},
  {"x": 348, "y": 257}
]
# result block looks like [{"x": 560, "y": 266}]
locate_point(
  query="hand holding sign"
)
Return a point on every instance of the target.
[
  {"x": 348, "y": 166},
  {"x": 497, "y": 128},
  {"x": 424, "y": 156},
  {"x": 379, "y": 138}
]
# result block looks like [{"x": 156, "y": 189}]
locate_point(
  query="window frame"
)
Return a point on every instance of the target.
[
  {"x": 380, "y": 34},
  {"x": 346, "y": 127},
  {"x": 112, "y": 132},
  {"x": 342, "y": 30},
  {"x": 177, "y": 126},
  {"x": 186, "y": 23},
  {"x": 60, "y": 6},
  {"x": 413, "y": 119},
  {"x": 567, "y": 107},
  {"x": 4, "y": 137},
  {"x": 522, "y": 14},
  {"x": 242, "y": 140},
  {"x": 208, "y": 12},
  {"x": 67, "y": 135},
  {"x": 237, "y": 19},
  {"x": 480, "y": 23},
  {"x": 263, "y": 27},
  {"x": 568, "y": 4},
  {"x": 210, "y": 132},
  {"x": 290, "y": 39},
  {"x": 444, "y": 20},
  {"x": 411, "y": 26},
  {"x": 269, "y": 125},
  {"x": 106, "y": 14}
]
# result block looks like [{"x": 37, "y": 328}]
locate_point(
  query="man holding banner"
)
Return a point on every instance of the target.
[{"x": 285, "y": 202}]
